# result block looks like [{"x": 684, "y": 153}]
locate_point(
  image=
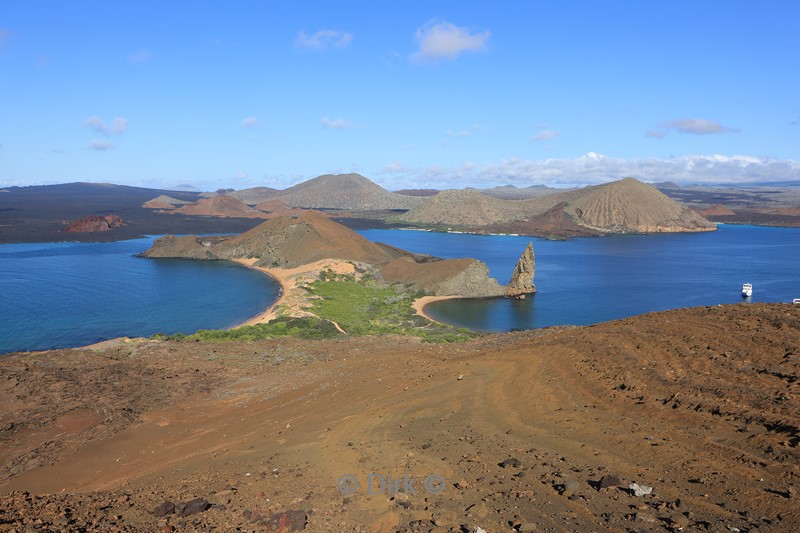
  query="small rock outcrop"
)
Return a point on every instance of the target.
[
  {"x": 94, "y": 223},
  {"x": 522, "y": 278}
]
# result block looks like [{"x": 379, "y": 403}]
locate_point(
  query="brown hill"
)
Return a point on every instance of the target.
[
  {"x": 630, "y": 206},
  {"x": 716, "y": 210},
  {"x": 345, "y": 191},
  {"x": 220, "y": 206},
  {"x": 450, "y": 277},
  {"x": 163, "y": 202},
  {"x": 464, "y": 208},
  {"x": 624, "y": 206},
  {"x": 255, "y": 195},
  {"x": 283, "y": 241},
  {"x": 94, "y": 223},
  {"x": 275, "y": 205},
  {"x": 289, "y": 242}
]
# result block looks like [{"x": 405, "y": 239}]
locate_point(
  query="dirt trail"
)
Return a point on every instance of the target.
[{"x": 700, "y": 404}]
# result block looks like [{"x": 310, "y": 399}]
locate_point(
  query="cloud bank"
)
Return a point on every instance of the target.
[
  {"x": 442, "y": 40},
  {"x": 595, "y": 168}
]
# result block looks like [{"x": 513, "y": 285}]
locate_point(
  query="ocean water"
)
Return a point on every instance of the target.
[
  {"x": 591, "y": 280},
  {"x": 55, "y": 295}
]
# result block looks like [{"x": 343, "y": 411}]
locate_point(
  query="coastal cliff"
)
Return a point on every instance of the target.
[
  {"x": 94, "y": 223},
  {"x": 522, "y": 278}
]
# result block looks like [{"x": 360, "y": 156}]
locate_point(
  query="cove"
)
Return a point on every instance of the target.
[
  {"x": 61, "y": 295},
  {"x": 590, "y": 280}
]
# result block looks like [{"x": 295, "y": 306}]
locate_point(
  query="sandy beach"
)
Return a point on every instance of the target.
[
  {"x": 420, "y": 303},
  {"x": 291, "y": 301}
]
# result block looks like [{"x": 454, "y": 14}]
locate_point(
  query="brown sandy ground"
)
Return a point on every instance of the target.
[{"x": 700, "y": 404}]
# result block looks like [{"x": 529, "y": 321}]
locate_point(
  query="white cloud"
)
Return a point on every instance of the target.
[
  {"x": 335, "y": 123},
  {"x": 323, "y": 39},
  {"x": 396, "y": 167},
  {"x": 443, "y": 40},
  {"x": 460, "y": 133},
  {"x": 695, "y": 126},
  {"x": 250, "y": 122},
  {"x": 594, "y": 168},
  {"x": 96, "y": 124},
  {"x": 140, "y": 56},
  {"x": 546, "y": 135},
  {"x": 101, "y": 145}
]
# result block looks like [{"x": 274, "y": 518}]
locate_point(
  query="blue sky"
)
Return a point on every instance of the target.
[{"x": 409, "y": 94}]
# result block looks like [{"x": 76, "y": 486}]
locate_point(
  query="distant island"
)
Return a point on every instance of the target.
[
  {"x": 37, "y": 213},
  {"x": 291, "y": 247}
]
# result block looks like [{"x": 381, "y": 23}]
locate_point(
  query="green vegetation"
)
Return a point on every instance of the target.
[
  {"x": 359, "y": 307},
  {"x": 367, "y": 307},
  {"x": 307, "y": 327}
]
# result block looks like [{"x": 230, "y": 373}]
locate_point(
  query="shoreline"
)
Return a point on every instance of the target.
[
  {"x": 288, "y": 279},
  {"x": 286, "y": 284},
  {"x": 420, "y": 303}
]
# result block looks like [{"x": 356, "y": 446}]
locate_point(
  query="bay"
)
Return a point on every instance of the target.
[
  {"x": 58, "y": 295},
  {"x": 590, "y": 280}
]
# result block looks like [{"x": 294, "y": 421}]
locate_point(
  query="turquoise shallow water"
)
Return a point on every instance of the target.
[
  {"x": 55, "y": 295},
  {"x": 590, "y": 280}
]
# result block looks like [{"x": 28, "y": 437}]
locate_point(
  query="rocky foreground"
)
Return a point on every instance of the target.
[{"x": 682, "y": 420}]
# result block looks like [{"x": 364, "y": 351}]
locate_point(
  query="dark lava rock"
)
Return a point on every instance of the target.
[
  {"x": 513, "y": 462},
  {"x": 609, "y": 480},
  {"x": 198, "y": 505},
  {"x": 95, "y": 223},
  {"x": 164, "y": 509}
]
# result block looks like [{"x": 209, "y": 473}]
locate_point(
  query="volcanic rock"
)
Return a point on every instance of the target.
[
  {"x": 95, "y": 223},
  {"x": 344, "y": 191},
  {"x": 163, "y": 202},
  {"x": 716, "y": 210},
  {"x": 220, "y": 206},
  {"x": 522, "y": 277},
  {"x": 624, "y": 206},
  {"x": 449, "y": 277}
]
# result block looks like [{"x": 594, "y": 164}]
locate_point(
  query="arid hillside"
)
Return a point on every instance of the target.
[
  {"x": 220, "y": 206},
  {"x": 629, "y": 206},
  {"x": 463, "y": 208},
  {"x": 345, "y": 191},
  {"x": 292, "y": 241},
  {"x": 625, "y": 206},
  {"x": 686, "y": 420}
]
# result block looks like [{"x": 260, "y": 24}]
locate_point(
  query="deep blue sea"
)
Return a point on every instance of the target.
[
  {"x": 72, "y": 294},
  {"x": 590, "y": 280},
  {"x": 55, "y": 295}
]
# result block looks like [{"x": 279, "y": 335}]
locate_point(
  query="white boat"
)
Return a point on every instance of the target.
[
  {"x": 747, "y": 290},
  {"x": 796, "y": 301}
]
